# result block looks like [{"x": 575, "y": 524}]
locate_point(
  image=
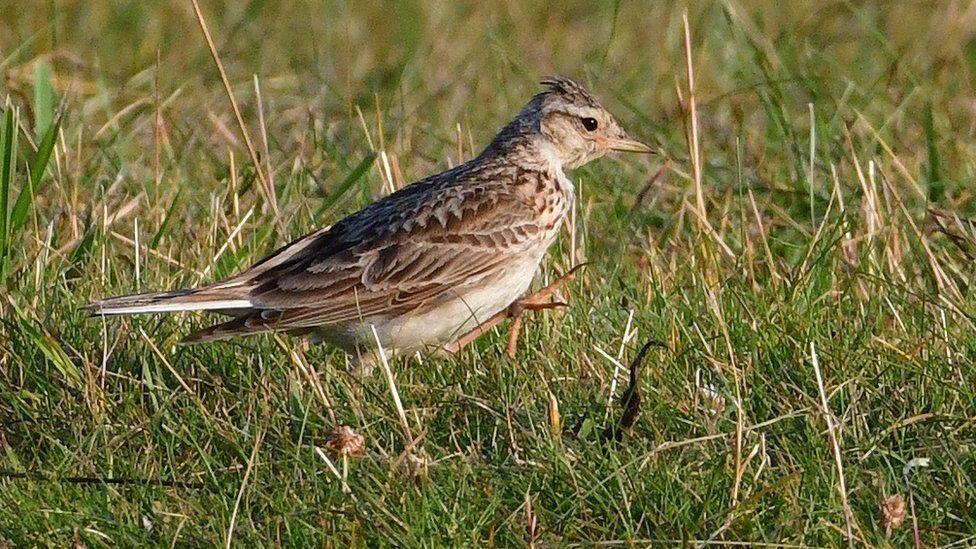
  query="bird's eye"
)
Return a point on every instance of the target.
[{"x": 589, "y": 123}]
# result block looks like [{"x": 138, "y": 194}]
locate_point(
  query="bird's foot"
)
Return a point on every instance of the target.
[{"x": 538, "y": 301}]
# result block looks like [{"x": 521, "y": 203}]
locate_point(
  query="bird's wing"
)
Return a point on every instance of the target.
[{"x": 402, "y": 253}]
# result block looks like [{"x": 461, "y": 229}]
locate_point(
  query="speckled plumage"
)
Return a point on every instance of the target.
[{"x": 428, "y": 262}]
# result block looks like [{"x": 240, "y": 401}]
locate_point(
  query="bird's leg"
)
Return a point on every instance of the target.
[
  {"x": 477, "y": 332},
  {"x": 532, "y": 302},
  {"x": 538, "y": 301}
]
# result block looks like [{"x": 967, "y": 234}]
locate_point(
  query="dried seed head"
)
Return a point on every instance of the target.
[
  {"x": 893, "y": 512},
  {"x": 345, "y": 442},
  {"x": 415, "y": 464}
]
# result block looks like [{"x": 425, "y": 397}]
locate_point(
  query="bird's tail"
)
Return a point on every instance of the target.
[{"x": 170, "y": 302}]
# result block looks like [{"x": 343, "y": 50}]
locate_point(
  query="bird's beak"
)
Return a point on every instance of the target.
[{"x": 628, "y": 144}]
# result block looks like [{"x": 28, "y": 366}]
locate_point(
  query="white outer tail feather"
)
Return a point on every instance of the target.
[{"x": 216, "y": 305}]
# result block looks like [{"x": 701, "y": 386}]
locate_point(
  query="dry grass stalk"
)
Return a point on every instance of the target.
[
  {"x": 269, "y": 192},
  {"x": 835, "y": 447}
]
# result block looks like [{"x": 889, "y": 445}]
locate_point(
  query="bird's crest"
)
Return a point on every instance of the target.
[{"x": 569, "y": 89}]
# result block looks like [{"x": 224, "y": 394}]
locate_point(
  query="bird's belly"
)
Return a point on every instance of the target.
[{"x": 457, "y": 315}]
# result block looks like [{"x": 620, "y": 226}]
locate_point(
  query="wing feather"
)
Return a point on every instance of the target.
[{"x": 403, "y": 253}]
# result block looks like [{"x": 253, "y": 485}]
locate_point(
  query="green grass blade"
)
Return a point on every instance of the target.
[
  {"x": 87, "y": 239},
  {"x": 8, "y": 156},
  {"x": 936, "y": 185},
  {"x": 169, "y": 215},
  {"x": 41, "y": 160},
  {"x": 43, "y": 98},
  {"x": 346, "y": 184},
  {"x": 4, "y": 183}
]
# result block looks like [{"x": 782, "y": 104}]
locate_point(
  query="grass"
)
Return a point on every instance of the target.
[{"x": 825, "y": 134}]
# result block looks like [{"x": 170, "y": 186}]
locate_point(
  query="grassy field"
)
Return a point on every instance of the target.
[{"x": 813, "y": 316}]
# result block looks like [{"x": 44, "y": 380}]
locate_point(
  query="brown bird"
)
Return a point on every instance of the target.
[{"x": 428, "y": 263}]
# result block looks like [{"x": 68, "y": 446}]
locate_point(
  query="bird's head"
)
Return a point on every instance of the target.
[{"x": 573, "y": 126}]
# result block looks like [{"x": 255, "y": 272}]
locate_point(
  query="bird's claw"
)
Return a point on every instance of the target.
[{"x": 537, "y": 301}]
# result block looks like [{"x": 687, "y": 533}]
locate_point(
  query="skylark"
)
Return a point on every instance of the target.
[{"x": 429, "y": 263}]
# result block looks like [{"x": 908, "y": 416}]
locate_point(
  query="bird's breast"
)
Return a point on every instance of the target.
[{"x": 552, "y": 199}]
